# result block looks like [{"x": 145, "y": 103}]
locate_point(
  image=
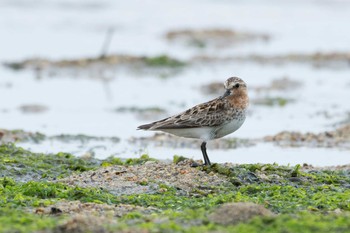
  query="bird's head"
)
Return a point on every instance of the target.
[{"x": 234, "y": 85}]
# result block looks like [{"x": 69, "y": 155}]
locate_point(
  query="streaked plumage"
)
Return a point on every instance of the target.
[{"x": 214, "y": 119}]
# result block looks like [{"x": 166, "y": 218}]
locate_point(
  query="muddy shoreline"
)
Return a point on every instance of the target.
[{"x": 110, "y": 195}]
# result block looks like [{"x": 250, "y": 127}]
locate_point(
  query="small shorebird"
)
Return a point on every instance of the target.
[{"x": 211, "y": 120}]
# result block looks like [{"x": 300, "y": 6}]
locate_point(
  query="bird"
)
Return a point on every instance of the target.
[{"x": 210, "y": 120}]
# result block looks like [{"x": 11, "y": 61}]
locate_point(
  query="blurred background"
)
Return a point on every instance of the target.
[{"x": 80, "y": 76}]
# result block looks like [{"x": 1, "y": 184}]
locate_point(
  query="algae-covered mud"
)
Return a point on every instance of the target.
[
  {"x": 77, "y": 78},
  {"x": 92, "y": 72},
  {"x": 69, "y": 194}
]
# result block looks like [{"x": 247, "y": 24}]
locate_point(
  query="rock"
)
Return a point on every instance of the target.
[
  {"x": 233, "y": 213},
  {"x": 81, "y": 224}
]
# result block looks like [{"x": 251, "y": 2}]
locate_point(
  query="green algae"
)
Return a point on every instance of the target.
[
  {"x": 24, "y": 165},
  {"x": 15, "y": 220},
  {"x": 163, "y": 61},
  {"x": 43, "y": 193},
  {"x": 302, "y": 222},
  {"x": 143, "y": 159},
  {"x": 89, "y": 63},
  {"x": 110, "y": 161},
  {"x": 304, "y": 200},
  {"x": 16, "y": 198},
  {"x": 286, "y": 189},
  {"x": 178, "y": 158},
  {"x": 195, "y": 221},
  {"x": 280, "y": 199},
  {"x": 274, "y": 101}
]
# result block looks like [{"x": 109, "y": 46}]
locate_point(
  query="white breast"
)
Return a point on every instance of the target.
[
  {"x": 204, "y": 133},
  {"x": 229, "y": 127}
]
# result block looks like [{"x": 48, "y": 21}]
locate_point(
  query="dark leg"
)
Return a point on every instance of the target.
[{"x": 205, "y": 155}]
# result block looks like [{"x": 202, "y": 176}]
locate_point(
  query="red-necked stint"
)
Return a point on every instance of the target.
[{"x": 211, "y": 120}]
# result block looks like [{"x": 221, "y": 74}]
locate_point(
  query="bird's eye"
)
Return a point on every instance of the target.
[{"x": 237, "y": 85}]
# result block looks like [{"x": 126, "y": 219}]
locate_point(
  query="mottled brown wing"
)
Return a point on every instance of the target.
[{"x": 211, "y": 113}]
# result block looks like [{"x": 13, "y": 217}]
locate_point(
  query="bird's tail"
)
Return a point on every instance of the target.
[{"x": 145, "y": 127}]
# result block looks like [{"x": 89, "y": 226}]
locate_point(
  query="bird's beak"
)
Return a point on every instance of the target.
[{"x": 227, "y": 93}]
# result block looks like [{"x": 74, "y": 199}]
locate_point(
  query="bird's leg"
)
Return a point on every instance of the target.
[{"x": 205, "y": 155}]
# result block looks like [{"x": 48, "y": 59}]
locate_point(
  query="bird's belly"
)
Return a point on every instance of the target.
[
  {"x": 204, "y": 133},
  {"x": 230, "y": 127}
]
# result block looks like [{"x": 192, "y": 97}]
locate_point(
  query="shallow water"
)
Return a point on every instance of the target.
[{"x": 61, "y": 29}]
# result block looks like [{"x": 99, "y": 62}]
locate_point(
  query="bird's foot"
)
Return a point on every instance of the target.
[{"x": 195, "y": 164}]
